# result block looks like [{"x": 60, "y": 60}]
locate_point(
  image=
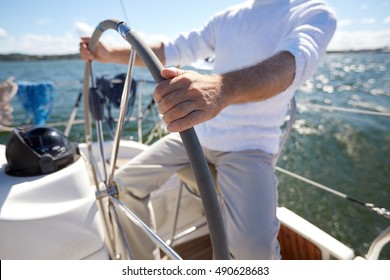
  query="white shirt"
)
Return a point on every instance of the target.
[{"x": 247, "y": 34}]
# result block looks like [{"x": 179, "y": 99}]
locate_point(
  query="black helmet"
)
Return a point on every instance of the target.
[{"x": 38, "y": 150}]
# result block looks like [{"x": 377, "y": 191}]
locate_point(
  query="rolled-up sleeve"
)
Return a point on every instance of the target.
[{"x": 312, "y": 31}]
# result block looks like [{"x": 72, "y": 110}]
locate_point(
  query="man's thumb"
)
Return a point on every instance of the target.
[{"x": 172, "y": 72}]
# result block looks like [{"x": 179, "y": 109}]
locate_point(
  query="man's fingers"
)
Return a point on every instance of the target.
[
  {"x": 180, "y": 110},
  {"x": 85, "y": 39},
  {"x": 187, "y": 122},
  {"x": 85, "y": 52},
  {"x": 168, "y": 86},
  {"x": 170, "y": 73}
]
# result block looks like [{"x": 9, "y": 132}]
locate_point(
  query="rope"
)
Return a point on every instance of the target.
[
  {"x": 380, "y": 211},
  {"x": 124, "y": 10},
  {"x": 8, "y": 89},
  {"x": 348, "y": 110},
  {"x": 6, "y": 128}
]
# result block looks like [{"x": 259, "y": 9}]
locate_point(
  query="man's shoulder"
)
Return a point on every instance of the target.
[{"x": 232, "y": 10}]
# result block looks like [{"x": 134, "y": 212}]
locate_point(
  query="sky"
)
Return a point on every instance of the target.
[{"x": 55, "y": 26}]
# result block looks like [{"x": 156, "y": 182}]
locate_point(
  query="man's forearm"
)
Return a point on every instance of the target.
[{"x": 261, "y": 81}]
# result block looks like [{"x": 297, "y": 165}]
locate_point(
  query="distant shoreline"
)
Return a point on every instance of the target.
[
  {"x": 28, "y": 57},
  {"x": 382, "y": 50}
]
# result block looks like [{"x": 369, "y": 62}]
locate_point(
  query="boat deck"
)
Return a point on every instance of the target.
[{"x": 292, "y": 247}]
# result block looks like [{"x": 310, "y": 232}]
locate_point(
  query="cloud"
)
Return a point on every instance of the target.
[
  {"x": 386, "y": 20},
  {"x": 3, "y": 33},
  {"x": 30, "y": 43},
  {"x": 370, "y": 20},
  {"x": 153, "y": 38},
  {"x": 40, "y": 44},
  {"x": 68, "y": 43},
  {"x": 360, "y": 40},
  {"x": 45, "y": 44},
  {"x": 344, "y": 22},
  {"x": 83, "y": 29},
  {"x": 113, "y": 38}
]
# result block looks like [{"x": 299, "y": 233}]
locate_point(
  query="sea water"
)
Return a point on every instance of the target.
[{"x": 346, "y": 151}]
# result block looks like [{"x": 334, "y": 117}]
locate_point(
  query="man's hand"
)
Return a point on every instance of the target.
[
  {"x": 188, "y": 98},
  {"x": 101, "y": 53}
]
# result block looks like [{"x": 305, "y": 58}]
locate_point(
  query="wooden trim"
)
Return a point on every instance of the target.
[{"x": 295, "y": 247}]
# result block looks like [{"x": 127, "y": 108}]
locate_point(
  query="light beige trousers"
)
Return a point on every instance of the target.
[{"x": 248, "y": 195}]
